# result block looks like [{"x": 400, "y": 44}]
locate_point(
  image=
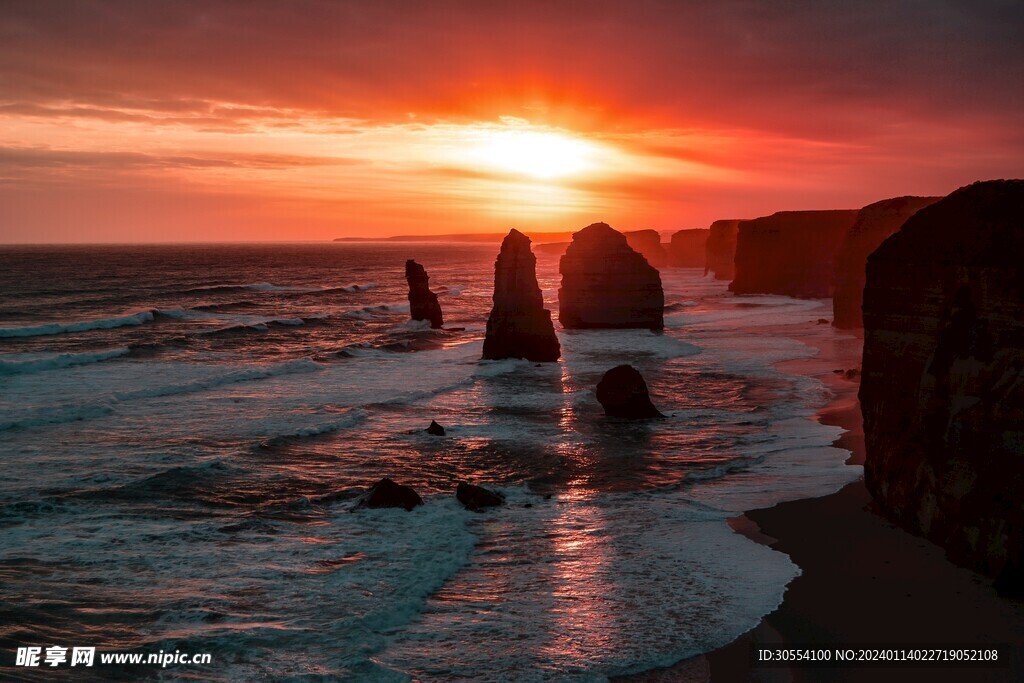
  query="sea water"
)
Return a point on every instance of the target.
[{"x": 183, "y": 430}]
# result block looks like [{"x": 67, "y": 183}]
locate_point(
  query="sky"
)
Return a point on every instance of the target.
[{"x": 222, "y": 121}]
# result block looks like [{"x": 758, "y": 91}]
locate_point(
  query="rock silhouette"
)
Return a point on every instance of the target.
[
  {"x": 942, "y": 388},
  {"x": 519, "y": 326},
  {"x": 720, "y": 250},
  {"x": 387, "y": 494},
  {"x": 622, "y": 392},
  {"x": 648, "y": 244},
  {"x": 605, "y": 283},
  {"x": 687, "y": 248},
  {"x": 790, "y": 253},
  {"x": 423, "y": 304},
  {"x": 476, "y": 497},
  {"x": 435, "y": 429},
  {"x": 874, "y": 223}
]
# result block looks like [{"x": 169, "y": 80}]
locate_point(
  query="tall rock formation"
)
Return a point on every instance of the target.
[
  {"x": 943, "y": 377},
  {"x": 874, "y": 223},
  {"x": 519, "y": 326},
  {"x": 648, "y": 243},
  {"x": 790, "y": 253},
  {"x": 686, "y": 250},
  {"x": 423, "y": 303},
  {"x": 607, "y": 284},
  {"x": 720, "y": 252}
]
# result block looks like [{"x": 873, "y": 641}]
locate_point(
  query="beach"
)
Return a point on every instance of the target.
[{"x": 864, "y": 581}]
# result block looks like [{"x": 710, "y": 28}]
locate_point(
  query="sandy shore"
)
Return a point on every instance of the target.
[{"x": 864, "y": 581}]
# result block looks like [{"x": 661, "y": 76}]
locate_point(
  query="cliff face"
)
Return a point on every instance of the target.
[
  {"x": 943, "y": 377},
  {"x": 648, "y": 243},
  {"x": 607, "y": 284},
  {"x": 686, "y": 250},
  {"x": 720, "y": 250},
  {"x": 423, "y": 304},
  {"x": 874, "y": 223},
  {"x": 519, "y": 326},
  {"x": 789, "y": 252}
]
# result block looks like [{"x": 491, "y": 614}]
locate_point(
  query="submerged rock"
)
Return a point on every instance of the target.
[
  {"x": 942, "y": 386},
  {"x": 605, "y": 283},
  {"x": 423, "y": 304},
  {"x": 790, "y": 253},
  {"x": 387, "y": 494},
  {"x": 648, "y": 244},
  {"x": 476, "y": 497},
  {"x": 519, "y": 326},
  {"x": 720, "y": 250},
  {"x": 623, "y": 393},
  {"x": 435, "y": 429},
  {"x": 874, "y": 223},
  {"x": 687, "y": 248}
]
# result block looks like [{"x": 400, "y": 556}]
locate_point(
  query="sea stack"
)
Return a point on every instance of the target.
[
  {"x": 720, "y": 250},
  {"x": 423, "y": 303},
  {"x": 790, "y": 253},
  {"x": 519, "y": 326},
  {"x": 942, "y": 390},
  {"x": 605, "y": 283},
  {"x": 686, "y": 250},
  {"x": 622, "y": 392},
  {"x": 648, "y": 243},
  {"x": 874, "y": 223}
]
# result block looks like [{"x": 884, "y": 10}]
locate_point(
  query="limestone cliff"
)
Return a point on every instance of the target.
[
  {"x": 648, "y": 243},
  {"x": 607, "y": 284},
  {"x": 943, "y": 376},
  {"x": 686, "y": 250},
  {"x": 423, "y": 304},
  {"x": 874, "y": 223},
  {"x": 789, "y": 252},
  {"x": 519, "y": 326},
  {"x": 720, "y": 249}
]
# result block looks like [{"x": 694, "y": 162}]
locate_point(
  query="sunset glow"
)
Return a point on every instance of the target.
[
  {"x": 233, "y": 123},
  {"x": 535, "y": 154}
]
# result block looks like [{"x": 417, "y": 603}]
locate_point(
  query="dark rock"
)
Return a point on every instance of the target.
[
  {"x": 942, "y": 386},
  {"x": 790, "y": 253},
  {"x": 623, "y": 393},
  {"x": 823, "y": 321},
  {"x": 605, "y": 283},
  {"x": 648, "y": 244},
  {"x": 476, "y": 497},
  {"x": 688, "y": 248},
  {"x": 387, "y": 494},
  {"x": 720, "y": 250},
  {"x": 874, "y": 223},
  {"x": 435, "y": 429},
  {"x": 519, "y": 326},
  {"x": 423, "y": 304}
]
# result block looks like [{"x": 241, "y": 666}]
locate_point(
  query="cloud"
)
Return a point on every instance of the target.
[{"x": 13, "y": 158}]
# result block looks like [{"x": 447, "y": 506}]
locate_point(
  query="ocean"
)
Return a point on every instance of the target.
[{"x": 183, "y": 430}]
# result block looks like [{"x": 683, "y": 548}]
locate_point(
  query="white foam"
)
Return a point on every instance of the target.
[
  {"x": 590, "y": 587},
  {"x": 139, "y": 318},
  {"x": 12, "y": 364}
]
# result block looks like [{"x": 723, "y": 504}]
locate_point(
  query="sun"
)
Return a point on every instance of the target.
[{"x": 537, "y": 154}]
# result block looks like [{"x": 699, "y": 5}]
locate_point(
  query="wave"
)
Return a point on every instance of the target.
[
  {"x": 72, "y": 413},
  {"x": 679, "y": 306},
  {"x": 347, "y": 421},
  {"x": 134, "y": 319},
  {"x": 377, "y": 311},
  {"x": 63, "y": 360},
  {"x": 270, "y": 287}
]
